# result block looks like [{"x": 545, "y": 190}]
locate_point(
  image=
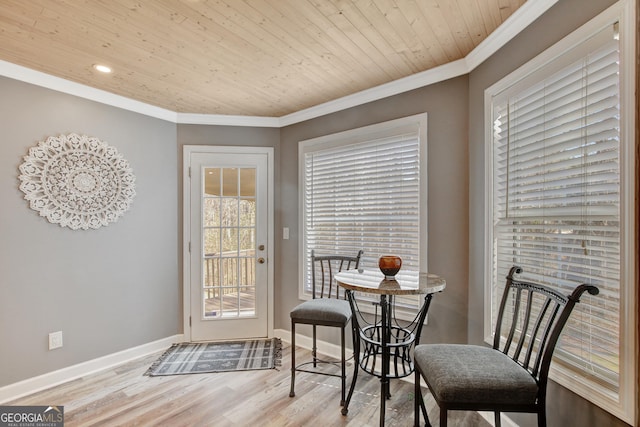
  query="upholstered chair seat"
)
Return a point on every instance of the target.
[
  {"x": 475, "y": 374},
  {"x": 323, "y": 312}
]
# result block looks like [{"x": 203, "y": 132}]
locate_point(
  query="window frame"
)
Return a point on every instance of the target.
[
  {"x": 622, "y": 404},
  {"x": 411, "y": 124}
]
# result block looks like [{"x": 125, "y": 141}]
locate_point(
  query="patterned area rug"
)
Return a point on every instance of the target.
[{"x": 199, "y": 358}]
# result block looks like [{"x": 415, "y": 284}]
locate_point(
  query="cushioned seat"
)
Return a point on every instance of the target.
[
  {"x": 322, "y": 311},
  {"x": 470, "y": 373}
]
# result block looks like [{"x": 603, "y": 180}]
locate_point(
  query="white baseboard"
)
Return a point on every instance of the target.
[
  {"x": 50, "y": 379},
  {"x": 328, "y": 349}
]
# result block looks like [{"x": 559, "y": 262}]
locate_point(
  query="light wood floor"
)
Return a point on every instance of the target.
[{"x": 123, "y": 396}]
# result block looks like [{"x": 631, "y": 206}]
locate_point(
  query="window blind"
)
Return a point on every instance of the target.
[
  {"x": 556, "y": 198},
  {"x": 364, "y": 195}
]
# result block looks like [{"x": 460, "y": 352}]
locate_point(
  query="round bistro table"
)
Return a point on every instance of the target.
[{"x": 385, "y": 335}]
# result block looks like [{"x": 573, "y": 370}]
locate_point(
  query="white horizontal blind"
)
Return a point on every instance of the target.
[
  {"x": 556, "y": 183},
  {"x": 364, "y": 195}
]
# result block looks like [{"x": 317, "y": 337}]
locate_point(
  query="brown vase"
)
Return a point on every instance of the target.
[{"x": 389, "y": 265}]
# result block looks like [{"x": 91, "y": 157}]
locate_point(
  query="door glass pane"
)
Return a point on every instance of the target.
[
  {"x": 247, "y": 241},
  {"x": 228, "y": 272},
  {"x": 212, "y": 181},
  {"x": 229, "y": 212},
  {"x": 247, "y": 212},
  {"x": 211, "y": 214},
  {"x": 212, "y": 302},
  {"x": 211, "y": 242},
  {"x": 248, "y": 182},
  {"x": 229, "y": 230},
  {"x": 211, "y": 273},
  {"x": 230, "y": 241},
  {"x": 230, "y": 182}
]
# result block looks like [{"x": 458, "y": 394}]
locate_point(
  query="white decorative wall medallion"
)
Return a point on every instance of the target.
[{"x": 77, "y": 181}]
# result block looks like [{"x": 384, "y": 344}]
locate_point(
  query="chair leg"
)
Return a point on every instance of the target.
[
  {"x": 443, "y": 417},
  {"x": 314, "y": 348},
  {"x": 418, "y": 404},
  {"x": 424, "y": 411},
  {"x": 344, "y": 367},
  {"x": 293, "y": 359},
  {"x": 356, "y": 365},
  {"x": 496, "y": 417},
  {"x": 542, "y": 416},
  {"x": 417, "y": 394}
]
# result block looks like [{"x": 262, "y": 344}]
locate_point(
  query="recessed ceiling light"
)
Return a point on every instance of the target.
[{"x": 102, "y": 68}]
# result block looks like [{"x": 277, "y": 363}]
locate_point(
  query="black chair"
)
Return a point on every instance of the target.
[
  {"x": 326, "y": 308},
  {"x": 512, "y": 375}
]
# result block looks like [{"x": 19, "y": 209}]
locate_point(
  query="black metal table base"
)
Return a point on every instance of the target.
[{"x": 383, "y": 347}]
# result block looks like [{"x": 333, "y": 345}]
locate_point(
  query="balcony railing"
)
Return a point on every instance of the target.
[{"x": 229, "y": 269}]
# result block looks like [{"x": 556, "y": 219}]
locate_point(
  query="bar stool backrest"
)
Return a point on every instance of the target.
[
  {"x": 323, "y": 270},
  {"x": 530, "y": 321}
]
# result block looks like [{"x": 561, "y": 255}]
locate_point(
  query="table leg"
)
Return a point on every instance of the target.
[
  {"x": 388, "y": 340},
  {"x": 356, "y": 352},
  {"x": 384, "y": 376},
  {"x": 421, "y": 317}
]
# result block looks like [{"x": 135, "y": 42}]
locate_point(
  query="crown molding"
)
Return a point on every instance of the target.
[
  {"x": 511, "y": 27},
  {"x": 228, "y": 120},
  {"x": 518, "y": 21},
  {"x": 27, "y": 75},
  {"x": 415, "y": 81}
]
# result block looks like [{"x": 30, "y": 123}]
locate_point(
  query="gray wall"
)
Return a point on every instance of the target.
[
  {"x": 565, "y": 408},
  {"x": 447, "y": 204},
  {"x": 109, "y": 289}
]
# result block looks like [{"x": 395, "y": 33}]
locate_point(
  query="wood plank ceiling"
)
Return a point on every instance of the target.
[{"x": 242, "y": 57}]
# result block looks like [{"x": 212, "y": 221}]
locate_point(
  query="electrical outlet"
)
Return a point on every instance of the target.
[{"x": 55, "y": 340}]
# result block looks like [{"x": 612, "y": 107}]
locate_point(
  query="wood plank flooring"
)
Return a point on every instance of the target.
[{"x": 123, "y": 396}]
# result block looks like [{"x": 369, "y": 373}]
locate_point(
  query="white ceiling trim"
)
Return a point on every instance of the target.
[
  {"x": 415, "y": 81},
  {"x": 228, "y": 120},
  {"x": 27, "y": 75},
  {"x": 518, "y": 21},
  {"x": 511, "y": 27}
]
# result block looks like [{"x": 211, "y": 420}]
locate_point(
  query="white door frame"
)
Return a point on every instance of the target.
[{"x": 188, "y": 150}]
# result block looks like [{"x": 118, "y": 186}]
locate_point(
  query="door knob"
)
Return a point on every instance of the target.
[{"x": 261, "y": 260}]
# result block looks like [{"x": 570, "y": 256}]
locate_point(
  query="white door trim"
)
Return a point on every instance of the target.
[{"x": 188, "y": 150}]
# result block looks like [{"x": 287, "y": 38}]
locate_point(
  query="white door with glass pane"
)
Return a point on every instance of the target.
[{"x": 229, "y": 287}]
